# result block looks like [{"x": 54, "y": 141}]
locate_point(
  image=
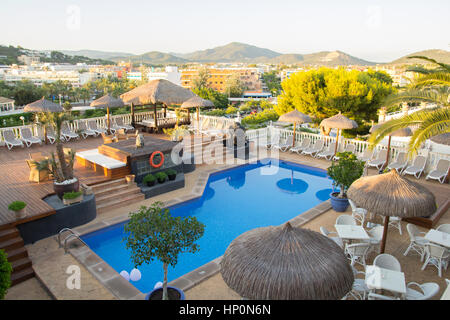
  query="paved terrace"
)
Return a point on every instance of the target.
[{"x": 50, "y": 262}]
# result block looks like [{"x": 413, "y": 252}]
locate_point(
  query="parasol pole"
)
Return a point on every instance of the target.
[
  {"x": 293, "y": 140},
  {"x": 337, "y": 140},
  {"x": 388, "y": 153},
  {"x": 383, "y": 240}
]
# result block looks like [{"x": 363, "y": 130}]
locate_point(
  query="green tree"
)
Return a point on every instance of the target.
[
  {"x": 273, "y": 82},
  {"x": 345, "y": 171},
  {"x": 153, "y": 232},
  {"x": 234, "y": 88},
  {"x": 5, "y": 274},
  {"x": 201, "y": 80},
  {"x": 431, "y": 86},
  {"x": 220, "y": 100},
  {"x": 326, "y": 92}
]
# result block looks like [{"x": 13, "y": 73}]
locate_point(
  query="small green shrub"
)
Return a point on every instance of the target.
[
  {"x": 149, "y": 178},
  {"x": 17, "y": 205},
  {"x": 216, "y": 113},
  {"x": 161, "y": 176},
  {"x": 347, "y": 170},
  {"x": 72, "y": 195},
  {"x": 171, "y": 172},
  {"x": 5, "y": 274},
  {"x": 231, "y": 110}
]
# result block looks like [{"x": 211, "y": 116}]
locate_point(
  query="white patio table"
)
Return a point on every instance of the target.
[
  {"x": 385, "y": 279},
  {"x": 441, "y": 238},
  {"x": 350, "y": 232}
]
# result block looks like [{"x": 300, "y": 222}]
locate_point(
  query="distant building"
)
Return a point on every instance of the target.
[
  {"x": 6, "y": 105},
  {"x": 170, "y": 73},
  {"x": 28, "y": 60},
  {"x": 135, "y": 75}
]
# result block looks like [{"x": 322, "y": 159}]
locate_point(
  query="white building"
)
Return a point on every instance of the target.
[
  {"x": 171, "y": 74},
  {"x": 136, "y": 75}
]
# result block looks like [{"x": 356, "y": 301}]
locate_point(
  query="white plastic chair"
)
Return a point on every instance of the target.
[
  {"x": 67, "y": 133},
  {"x": 327, "y": 233},
  {"x": 376, "y": 296},
  {"x": 417, "y": 167},
  {"x": 284, "y": 146},
  {"x": 357, "y": 253},
  {"x": 426, "y": 291},
  {"x": 387, "y": 261},
  {"x": 444, "y": 228},
  {"x": 359, "y": 214},
  {"x": 376, "y": 235},
  {"x": 84, "y": 131},
  {"x": 304, "y": 145},
  {"x": 395, "y": 222},
  {"x": 346, "y": 219},
  {"x": 93, "y": 127},
  {"x": 329, "y": 153},
  {"x": 121, "y": 125},
  {"x": 10, "y": 139},
  {"x": 379, "y": 161},
  {"x": 440, "y": 172},
  {"x": 400, "y": 162},
  {"x": 316, "y": 148},
  {"x": 348, "y": 148},
  {"x": 417, "y": 241},
  {"x": 359, "y": 289},
  {"x": 437, "y": 256},
  {"x": 27, "y": 137},
  {"x": 366, "y": 155}
]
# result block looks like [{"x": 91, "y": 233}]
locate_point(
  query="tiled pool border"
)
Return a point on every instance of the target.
[{"x": 122, "y": 288}]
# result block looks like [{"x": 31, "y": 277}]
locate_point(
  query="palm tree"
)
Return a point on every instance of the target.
[{"x": 431, "y": 86}]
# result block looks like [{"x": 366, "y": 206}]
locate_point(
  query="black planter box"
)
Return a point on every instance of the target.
[{"x": 160, "y": 188}]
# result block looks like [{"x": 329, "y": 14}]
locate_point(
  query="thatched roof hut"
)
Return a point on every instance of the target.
[
  {"x": 107, "y": 101},
  {"x": 442, "y": 139},
  {"x": 295, "y": 116},
  {"x": 158, "y": 91},
  {"x": 43, "y": 105},
  {"x": 339, "y": 121},
  {"x": 403, "y": 132},
  {"x": 197, "y": 102},
  {"x": 286, "y": 263}
]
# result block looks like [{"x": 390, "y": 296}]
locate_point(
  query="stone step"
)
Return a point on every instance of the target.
[
  {"x": 120, "y": 202},
  {"x": 16, "y": 254},
  {"x": 114, "y": 189},
  {"x": 21, "y": 264},
  {"x": 108, "y": 184},
  {"x": 108, "y": 198},
  {"x": 13, "y": 243},
  {"x": 7, "y": 234},
  {"x": 22, "y": 275}
]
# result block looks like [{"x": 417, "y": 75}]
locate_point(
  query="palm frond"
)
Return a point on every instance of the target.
[
  {"x": 443, "y": 65},
  {"x": 416, "y": 95},
  {"x": 432, "y": 79}
]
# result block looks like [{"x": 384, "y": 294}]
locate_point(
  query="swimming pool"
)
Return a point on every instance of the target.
[{"x": 236, "y": 200}]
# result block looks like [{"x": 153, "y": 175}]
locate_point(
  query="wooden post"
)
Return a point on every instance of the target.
[
  {"x": 133, "y": 124},
  {"x": 385, "y": 229},
  {"x": 387, "y": 154},
  {"x": 293, "y": 140},
  {"x": 165, "y": 111},
  {"x": 337, "y": 141}
]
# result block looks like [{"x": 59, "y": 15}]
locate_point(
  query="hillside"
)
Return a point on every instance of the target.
[
  {"x": 153, "y": 57},
  {"x": 436, "y": 54},
  {"x": 95, "y": 54}
]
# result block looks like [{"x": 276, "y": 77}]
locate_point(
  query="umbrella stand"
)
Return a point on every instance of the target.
[
  {"x": 293, "y": 140},
  {"x": 337, "y": 140},
  {"x": 385, "y": 228}
]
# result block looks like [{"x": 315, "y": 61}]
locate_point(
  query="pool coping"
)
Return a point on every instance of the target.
[{"x": 125, "y": 290}]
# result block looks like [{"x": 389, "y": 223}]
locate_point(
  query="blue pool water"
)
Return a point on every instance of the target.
[{"x": 234, "y": 201}]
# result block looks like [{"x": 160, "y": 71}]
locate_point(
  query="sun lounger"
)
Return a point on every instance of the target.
[
  {"x": 27, "y": 137},
  {"x": 306, "y": 143},
  {"x": 441, "y": 171},
  {"x": 120, "y": 124},
  {"x": 400, "y": 163},
  {"x": 284, "y": 146},
  {"x": 217, "y": 131},
  {"x": 348, "y": 148},
  {"x": 316, "y": 148},
  {"x": 84, "y": 131},
  {"x": 51, "y": 136},
  {"x": 10, "y": 139},
  {"x": 366, "y": 155},
  {"x": 67, "y": 133},
  {"x": 379, "y": 161},
  {"x": 93, "y": 126},
  {"x": 329, "y": 153},
  {"x": 417, "y": 167}
]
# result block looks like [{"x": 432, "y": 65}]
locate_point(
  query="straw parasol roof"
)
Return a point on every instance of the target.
[
  {"x": 197, "y": 102},
  {"x": 157, "y": 91},
  {"x": 339, "y": 121},
  {"x": 442, "y": 139},
  {"x": 295, "y": 116},
  {"x": 286, "y": 263},
  {"x": 107, "y": 101},
  {"x": 403, "y": 132},
  {"x": 43, "y": 105},
  {"x": 390, "y": 194}
]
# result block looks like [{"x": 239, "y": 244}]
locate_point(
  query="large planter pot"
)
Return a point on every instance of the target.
[
  {"x": 161, "y": 181},
  {"x": 172, "y": 292},
  {"x": 20, "y": 213},
  {"x": 172, "y": 176},
  {"x": 151, "y": 183},
  {"x": 60, "y": 189},
  {"x": 338, "y": 204},
  {"x": 68, "y": 202}
]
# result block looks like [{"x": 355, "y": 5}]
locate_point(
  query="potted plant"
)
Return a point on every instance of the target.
[
  {"x": 153, "y": 233},
  {"x": 149, "y": 179},
  {"x": 344, "y": 172},
  {"x": 18, "y": 207},
  {"x": 161, "y": 176},
  {"x": 61, "y": 166},
  {"x": 172, "y": 174},
  {"x": 72, "y": 197},
  {"x": 5, "y": 274}
]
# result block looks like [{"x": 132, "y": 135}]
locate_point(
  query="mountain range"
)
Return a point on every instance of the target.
[{"x": 241, "y": 52}]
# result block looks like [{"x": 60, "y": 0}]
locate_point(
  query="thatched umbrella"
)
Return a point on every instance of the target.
[
  {"x": 155, "y": 92},
  {"x": 403, "y": 132},
  {"x": 43, "y": 105},
  {"x": 390, "y": 194},
  {"x": 107, "y": 101},
  {"x": 197, "y": 102},
  {"x": 339, "y": 122},
  {"x": 286, "y": 263},
  {"x": 295, "y": 117},
  {"x": 442, "y": 139}
]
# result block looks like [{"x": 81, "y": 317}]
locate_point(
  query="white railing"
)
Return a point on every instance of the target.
[
  {"x": 400, "y": 113},
  {"x": 266, "y": 134}
]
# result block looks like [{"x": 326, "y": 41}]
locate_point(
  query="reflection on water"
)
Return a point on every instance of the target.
[
  {"x": 324, "y": 195},
  {"x": 292, "y": 185},
  {"x": 208, "y": 193},
  {"x": 236, "y": 180}
]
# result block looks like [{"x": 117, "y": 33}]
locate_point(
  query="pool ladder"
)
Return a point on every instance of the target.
[{"x": 72, "y": 234}]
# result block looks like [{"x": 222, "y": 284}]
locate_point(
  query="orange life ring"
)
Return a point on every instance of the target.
[{"x": 160, "y": 163}]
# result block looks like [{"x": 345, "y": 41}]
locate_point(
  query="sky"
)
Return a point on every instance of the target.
[{"x": 375, "y": 30}]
